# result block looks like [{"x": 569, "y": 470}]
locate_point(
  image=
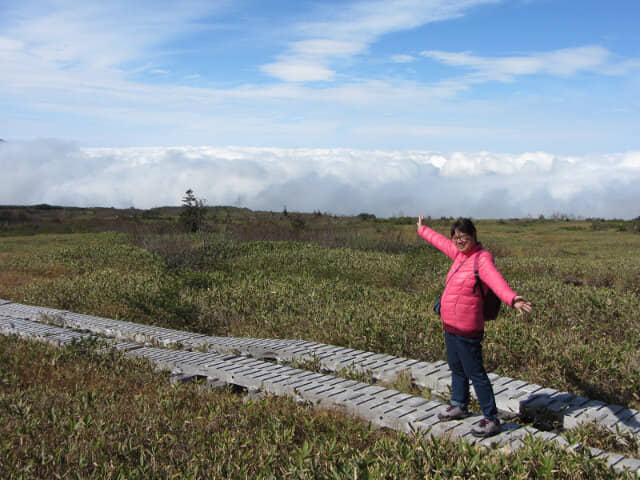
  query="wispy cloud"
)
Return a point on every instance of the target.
[
  {"x": 403, "y": 58},
  {"x": 563, "y": 62},
  {"x": 119, "y": 73},
  {"x": 99, "y": 34},
  {"x": 88, "y": 61},
  {"x": 352, "y": 30},
  {"x": 62, "y": 49},
  {"x": 341, "y": 181},
  {"x": 299, "y": 69}
]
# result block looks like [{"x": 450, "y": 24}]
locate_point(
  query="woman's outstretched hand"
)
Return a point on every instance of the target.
[
  {"x": 420, "y": 218},
  {"x": 521, "y": 305}
]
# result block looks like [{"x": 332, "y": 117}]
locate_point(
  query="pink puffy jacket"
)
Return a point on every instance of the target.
[{"x": 460, "y": 307}]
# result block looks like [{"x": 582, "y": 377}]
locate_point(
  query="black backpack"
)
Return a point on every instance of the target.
[{"x": 490, "y": 301}]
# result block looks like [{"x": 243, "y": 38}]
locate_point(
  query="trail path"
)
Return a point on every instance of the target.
[{"x": 261, "y": 364}]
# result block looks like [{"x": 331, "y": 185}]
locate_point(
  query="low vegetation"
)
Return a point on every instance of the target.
[
  {"x": 359, "y": 282},
  {"x": 73, "y": 413}
]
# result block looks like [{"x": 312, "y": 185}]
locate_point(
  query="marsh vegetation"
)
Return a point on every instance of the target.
[{"x": 358, "y": 282}]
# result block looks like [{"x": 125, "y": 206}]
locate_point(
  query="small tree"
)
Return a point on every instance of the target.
[{"x": 192, "y": 214}]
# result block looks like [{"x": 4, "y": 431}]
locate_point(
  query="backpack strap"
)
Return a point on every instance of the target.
[{"x": 476, "y": 262}]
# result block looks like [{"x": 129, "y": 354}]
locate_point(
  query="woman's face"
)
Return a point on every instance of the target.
[{"x": 463, "y": 241}]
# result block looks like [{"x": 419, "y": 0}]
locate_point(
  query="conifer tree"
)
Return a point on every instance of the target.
[{"x": 192, "y": 213}]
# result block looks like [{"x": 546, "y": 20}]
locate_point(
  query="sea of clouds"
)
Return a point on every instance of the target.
[{"x": 385, "y": 183}]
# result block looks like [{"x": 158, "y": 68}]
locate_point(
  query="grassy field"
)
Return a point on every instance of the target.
[{"x": 358, "y": 282}]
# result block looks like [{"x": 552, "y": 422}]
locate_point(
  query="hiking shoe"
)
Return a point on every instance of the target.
[
  {"x": 453, "y": 413},
  {"x": 486, "y": 428}
]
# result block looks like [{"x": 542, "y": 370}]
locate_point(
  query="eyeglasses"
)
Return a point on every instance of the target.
[{"x": 461, "y": 238}]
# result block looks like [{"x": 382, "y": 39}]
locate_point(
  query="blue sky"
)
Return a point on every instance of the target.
[{"x": 515, "y": 78}]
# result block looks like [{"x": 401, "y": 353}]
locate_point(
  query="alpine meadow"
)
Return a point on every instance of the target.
[{"x": 360, "y": 282}]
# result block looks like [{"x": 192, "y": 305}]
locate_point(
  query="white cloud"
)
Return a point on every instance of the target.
[
  {"x": 341, "y": 181},
  {"x": 8, "y": 45},
  {"x": 351, "y": 29},
  {"x": 307, "y": 59},
  {"x": 321, "y": 47},
  {"x": 100, "y": 34},
  {"x": 563, "y": 62},
  {"x": 631, "y": 160},
  {"x": 402, "y": 58},
  {"x": 68, "y": 63},
  {"x": 63, "y": 48},
  {"x": 85, "y": 71},
  {"x": 367, "y": 20},
  {"x": 298, "y": 70}
]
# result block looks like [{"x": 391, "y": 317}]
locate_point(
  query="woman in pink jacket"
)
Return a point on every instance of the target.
[{"x": 463, "y": 320}]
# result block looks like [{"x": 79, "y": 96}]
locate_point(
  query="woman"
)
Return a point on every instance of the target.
[{"x": 463, "y": 320}]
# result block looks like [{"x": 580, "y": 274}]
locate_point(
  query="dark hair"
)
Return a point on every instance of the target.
[{"x": 465, "y": 225}]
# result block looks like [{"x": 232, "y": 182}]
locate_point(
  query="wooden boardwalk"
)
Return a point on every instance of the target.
[{"x": 263, "y": 364}]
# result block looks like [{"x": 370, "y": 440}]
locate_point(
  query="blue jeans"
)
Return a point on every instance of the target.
[{"x": 464, "y": 356}]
